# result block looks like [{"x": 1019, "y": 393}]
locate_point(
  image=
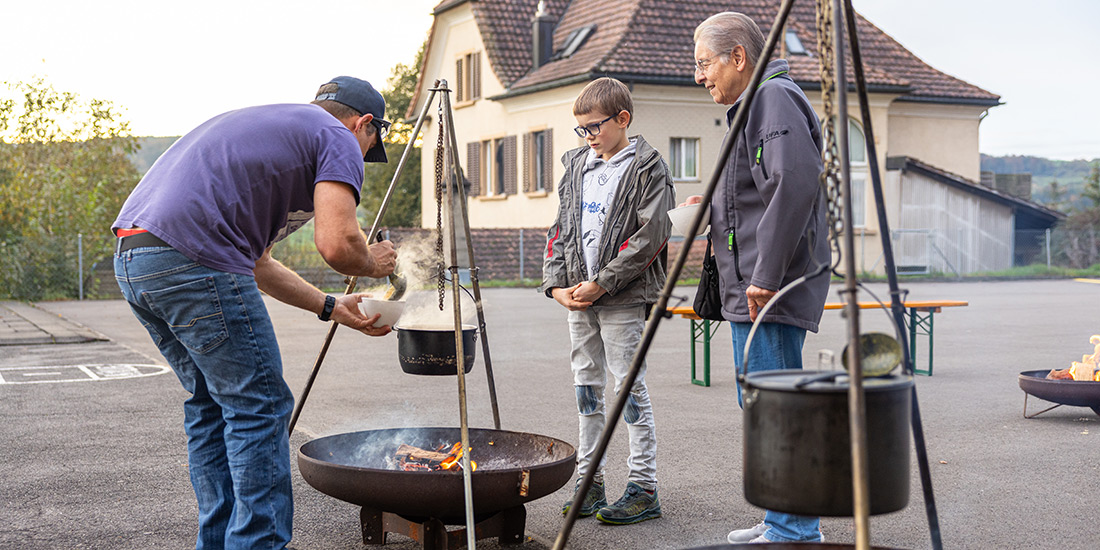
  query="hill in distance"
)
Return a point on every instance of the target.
[
  {"x": 151, "y": 148},
  {"x": 1070, "y": 174}
]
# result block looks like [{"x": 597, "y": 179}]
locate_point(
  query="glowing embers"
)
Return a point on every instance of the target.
[{"x": 415, "y": 459}]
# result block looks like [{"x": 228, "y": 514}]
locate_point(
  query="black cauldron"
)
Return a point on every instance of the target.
[
  {"x": 797, "y": 447},
  {"x": 431, "y": 350}
]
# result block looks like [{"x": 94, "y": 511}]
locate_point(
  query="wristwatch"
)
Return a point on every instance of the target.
[{"x": 326, "y": 313}]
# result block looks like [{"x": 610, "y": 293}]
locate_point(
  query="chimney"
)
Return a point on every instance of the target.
[{"x": 542, "y": 36}]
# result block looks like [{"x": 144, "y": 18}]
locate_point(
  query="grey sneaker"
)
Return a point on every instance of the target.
[
  {"x": 593, "y": 501},
  {"x": 635, "y": 505},
  {"x": 746, "y": 535}
]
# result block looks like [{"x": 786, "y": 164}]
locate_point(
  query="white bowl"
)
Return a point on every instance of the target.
[
  {"x": 681, "y": 219},
  {"x": 391, "y": 310}
]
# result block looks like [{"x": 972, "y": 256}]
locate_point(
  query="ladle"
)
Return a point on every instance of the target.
[{"x": 880, "y": 352}]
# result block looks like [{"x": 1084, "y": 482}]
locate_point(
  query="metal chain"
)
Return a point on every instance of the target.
[
  {"x": 830, "y": 175},
  {"x": 442, "y": 282}
]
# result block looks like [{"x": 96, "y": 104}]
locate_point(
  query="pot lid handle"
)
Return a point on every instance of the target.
[{"x": 820, "y": 377}]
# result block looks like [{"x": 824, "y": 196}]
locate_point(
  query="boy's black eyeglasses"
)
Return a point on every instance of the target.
[
  {"x": 593, "y": 129},
  {"x": 383, "y": 127}
]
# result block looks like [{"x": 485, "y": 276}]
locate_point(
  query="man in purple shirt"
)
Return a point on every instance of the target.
[{"x": 194, "y": 254}]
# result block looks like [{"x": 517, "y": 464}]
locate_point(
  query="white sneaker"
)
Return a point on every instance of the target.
[
  {"x": 747, "y": 535},
  {"x": 763, "y": 539}
]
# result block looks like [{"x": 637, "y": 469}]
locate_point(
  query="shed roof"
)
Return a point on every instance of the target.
[{"x": 1029, "y": 215}]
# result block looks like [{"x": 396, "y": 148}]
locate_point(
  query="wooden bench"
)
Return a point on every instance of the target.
[{"x": 921, "y": 315}]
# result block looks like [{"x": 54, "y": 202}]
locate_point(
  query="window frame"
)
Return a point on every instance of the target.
[
  {"x": 858, "y": 170},
  {"x": 467, "y": 82},
  {"x": 538, "y": 167},
  {"x": 676, "y": 157}
]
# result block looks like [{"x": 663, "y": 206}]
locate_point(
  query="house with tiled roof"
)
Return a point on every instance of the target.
[{"x": 516, "y": 67}]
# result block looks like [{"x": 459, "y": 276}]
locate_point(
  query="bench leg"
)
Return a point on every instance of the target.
[
  {"x": 920, "y": 325},
  {"x": 700, "y": 329}
]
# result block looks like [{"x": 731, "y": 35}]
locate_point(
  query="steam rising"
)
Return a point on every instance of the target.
[{"x": 419, "y": 262}]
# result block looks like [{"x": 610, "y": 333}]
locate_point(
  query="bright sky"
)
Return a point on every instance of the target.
[{"x": 172, "y": 65}]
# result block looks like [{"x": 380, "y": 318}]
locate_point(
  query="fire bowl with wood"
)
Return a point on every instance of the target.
[
  {"x": 1077, "y": 386},
  {"x": 409, "y": 480}
]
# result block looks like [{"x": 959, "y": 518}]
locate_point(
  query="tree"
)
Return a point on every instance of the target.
[
  {"x": 64, "y": 171},
  {"x": 1081, "y": 246},
  {"x": 1092, "y": 185},
  {"x": 1057, "y": 196},
  {"x": 403, "y": 209}
]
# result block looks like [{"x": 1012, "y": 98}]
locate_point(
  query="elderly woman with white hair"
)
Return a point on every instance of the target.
[{"x": 768, "y": 221}]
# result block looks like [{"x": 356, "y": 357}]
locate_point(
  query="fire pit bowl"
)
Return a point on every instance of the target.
[
  {"x": 354, "y": 467},
  {"x": 1076, "y": 393},
  {"x": 786, "y": 546}
]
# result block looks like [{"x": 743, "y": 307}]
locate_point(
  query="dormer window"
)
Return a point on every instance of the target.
[
  {"x": 574, "y": 41},
  {"x": 794, "y": 45}
]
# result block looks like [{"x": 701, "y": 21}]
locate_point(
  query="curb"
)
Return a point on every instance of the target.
[{"x": 24, "y": 324}]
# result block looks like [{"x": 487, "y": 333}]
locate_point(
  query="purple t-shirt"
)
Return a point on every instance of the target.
[{"x": 242, "y": 181}]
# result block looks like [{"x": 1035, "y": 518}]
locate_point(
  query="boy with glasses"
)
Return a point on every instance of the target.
[{"x": 605, "y": 263}]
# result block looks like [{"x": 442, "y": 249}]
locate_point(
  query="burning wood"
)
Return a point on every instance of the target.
[
  {"x": 1088, "y": 369},
  {"x": 412, "y": 459}
]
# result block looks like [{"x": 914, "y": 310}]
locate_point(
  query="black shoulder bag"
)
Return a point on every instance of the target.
[{"x": 708, "y": 298}]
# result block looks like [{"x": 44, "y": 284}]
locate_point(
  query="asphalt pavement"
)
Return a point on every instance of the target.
[{"x": 94, "y": 454}]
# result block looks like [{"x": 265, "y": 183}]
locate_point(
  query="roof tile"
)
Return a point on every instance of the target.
[{"x": 653, "y": 39}]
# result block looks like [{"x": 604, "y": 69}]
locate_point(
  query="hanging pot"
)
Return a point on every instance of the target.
[
  {"x": 431, "y": 350},
  {"x": 797, "y": 448}
]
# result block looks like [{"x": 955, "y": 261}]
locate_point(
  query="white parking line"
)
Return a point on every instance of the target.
[{"x": 88, "y": 373}]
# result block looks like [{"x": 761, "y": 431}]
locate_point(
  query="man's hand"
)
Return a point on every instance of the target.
[
  {"x": 347, "y": 313},
  {"x": 565, "y": 297},
  {"x": 757, "y": 298},
  {"x": 383, "y": 259},
  {"x": 588, "y": 291}
]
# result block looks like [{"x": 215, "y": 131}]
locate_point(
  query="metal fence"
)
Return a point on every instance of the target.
[
  {"x": 52, "y": 267},
  {"x": 79, "y": 267}
]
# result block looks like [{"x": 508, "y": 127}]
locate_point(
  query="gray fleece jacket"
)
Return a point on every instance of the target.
[
  {"x": 631, "y": 263},
  {"x": 768, "y": 213}
]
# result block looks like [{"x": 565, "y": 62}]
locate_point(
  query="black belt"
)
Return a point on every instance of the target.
[{"x": 140, "y": 240}]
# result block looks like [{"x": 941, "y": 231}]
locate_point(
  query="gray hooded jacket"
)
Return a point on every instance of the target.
[
  {"x": 631, "y": 263},
  {"x": 768, "y": 221}
]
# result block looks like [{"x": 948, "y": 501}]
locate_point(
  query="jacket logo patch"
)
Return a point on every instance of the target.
[{"x": 775, "y": 134}]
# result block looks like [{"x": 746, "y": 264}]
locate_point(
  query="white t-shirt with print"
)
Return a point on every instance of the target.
[{"x": 600, "y": 181}]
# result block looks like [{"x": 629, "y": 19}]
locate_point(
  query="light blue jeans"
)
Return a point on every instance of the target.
[
  {"x": 775, "y": 346},
  {"x": 215, "y": 332},
  {"x": 604, "y": 339}
]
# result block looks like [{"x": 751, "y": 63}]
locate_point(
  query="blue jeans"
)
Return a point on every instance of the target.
[
  {"x": 775, "y": 346},
  {"x": 214, "y": 330}
]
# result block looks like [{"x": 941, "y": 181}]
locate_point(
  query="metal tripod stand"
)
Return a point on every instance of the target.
[{"x": 453, "y": 176}]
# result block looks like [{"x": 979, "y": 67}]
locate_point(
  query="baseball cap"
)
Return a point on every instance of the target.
[{"x": 361, "y": 96}]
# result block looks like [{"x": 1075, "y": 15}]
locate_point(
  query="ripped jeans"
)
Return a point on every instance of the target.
[{"x": 604, "y": 338}]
